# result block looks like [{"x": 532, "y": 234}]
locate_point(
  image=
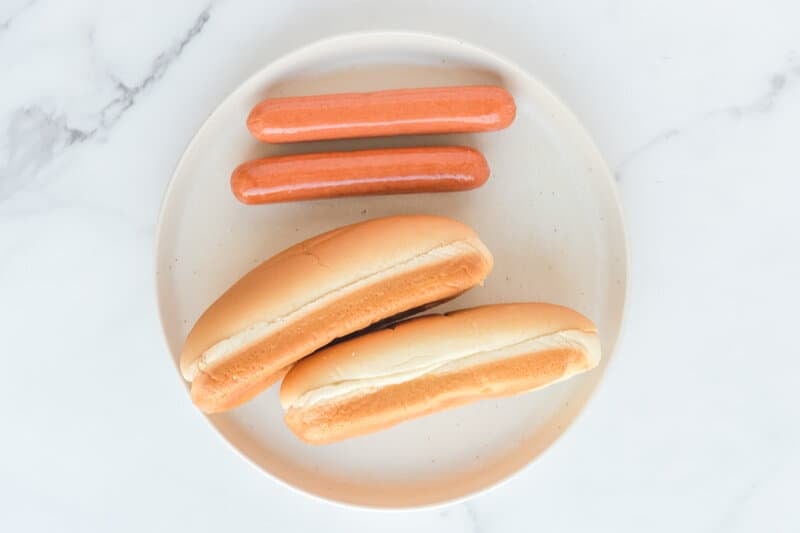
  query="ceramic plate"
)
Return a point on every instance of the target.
[{"x": 549, "y": 214}]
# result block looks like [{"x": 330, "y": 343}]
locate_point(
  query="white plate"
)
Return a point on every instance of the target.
[{"x": 549, "y": 214}]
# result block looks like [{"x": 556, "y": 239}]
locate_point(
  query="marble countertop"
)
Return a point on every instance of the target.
[{"x": 696, "y": 106}]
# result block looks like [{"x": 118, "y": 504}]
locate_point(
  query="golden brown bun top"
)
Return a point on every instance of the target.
[
  {"x": 470, "y": 330},
  {"x": 310, "y": 269}
]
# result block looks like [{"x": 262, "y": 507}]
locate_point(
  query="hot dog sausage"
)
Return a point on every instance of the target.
[
  {"x": 365, "y": 172},
  {"x": 392, "y": 112}
]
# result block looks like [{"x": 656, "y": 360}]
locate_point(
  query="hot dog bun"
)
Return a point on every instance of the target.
[
  {"x": 321, "y": 289},
  {"x": 431, "y": 363},
  {"x": 333, "y": 174},
  {"x": 392, "y": 112}
]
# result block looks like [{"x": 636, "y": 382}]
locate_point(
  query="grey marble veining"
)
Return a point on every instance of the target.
[
  {"x": 780, "y": 84},
  {"x": 9, "y": 18},
  {"x": 35, "y": 136}
]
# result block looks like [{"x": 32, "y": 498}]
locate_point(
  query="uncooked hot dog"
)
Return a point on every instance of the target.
[
  {"x": 374, "y": 114},
  {"x": 365, "y": 172}
]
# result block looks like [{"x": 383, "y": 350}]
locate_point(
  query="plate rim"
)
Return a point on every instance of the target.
[{"x": 582, "y": 130}]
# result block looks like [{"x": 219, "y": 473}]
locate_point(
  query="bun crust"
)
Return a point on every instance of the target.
[
  {"x": 321, "y": 289},
  {"x": 432, "y": 363}
]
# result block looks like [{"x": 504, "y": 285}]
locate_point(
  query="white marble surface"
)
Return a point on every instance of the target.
[{"x": 697, "y": 108}]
